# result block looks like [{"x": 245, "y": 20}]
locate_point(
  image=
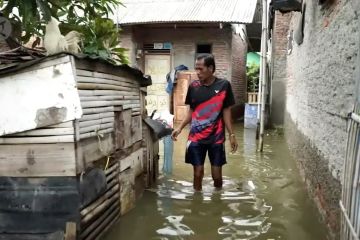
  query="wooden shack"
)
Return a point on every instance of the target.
[{"x": 73, "y": 145}]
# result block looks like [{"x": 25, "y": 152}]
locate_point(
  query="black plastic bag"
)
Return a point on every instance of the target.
[{"x": 160, "y": 128}]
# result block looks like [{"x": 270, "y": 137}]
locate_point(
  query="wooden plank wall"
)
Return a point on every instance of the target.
[
  {"x": 148, "y": 156},
  {"x": 109, "y": 135},
  {"x": 102, "y": 213},
  {"x": 110, "y": 129},
  {"x": 41, "y": 152},
  {"x": 111, "y": 119},
  {"x": 104, "y": 90},
  {"x": 68, "y": 148}
]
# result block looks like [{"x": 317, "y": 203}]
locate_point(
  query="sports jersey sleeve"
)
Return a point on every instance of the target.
[{"x": 229, "y": 98}]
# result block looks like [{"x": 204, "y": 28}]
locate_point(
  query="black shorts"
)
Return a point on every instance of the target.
[{"x": 196, "y": 154}]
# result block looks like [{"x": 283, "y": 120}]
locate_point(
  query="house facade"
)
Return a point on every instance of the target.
[{"x": 158, "y": 43}]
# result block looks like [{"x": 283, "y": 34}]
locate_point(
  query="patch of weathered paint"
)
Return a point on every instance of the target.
[
  {"x": 38, "y": 94},
  {"x": 40, "y": 206},
  {"x": 56, "y": 72},
  {"x": 22, "y": 170},
  {"x": 47, "y": 236},
  {"x": 30, "y": 156},
  {"x": 92, "y": 184},
  {"x": 37, "y": 181},
  {"x": 50, "y": 115},
  {"x": 127, "y": 190}
]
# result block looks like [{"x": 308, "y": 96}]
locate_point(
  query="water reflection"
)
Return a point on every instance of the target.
[
  {"x": 262, "y": 198},
  {"x": 175, "y": 227},
  {"x": 241, "y": 215}
]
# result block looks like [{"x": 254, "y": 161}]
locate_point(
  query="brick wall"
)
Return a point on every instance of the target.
[
  {"x": 184, "y": 42},
  {"x": 320, "y": 91},
  {"x": 279, "y": 54},
  {"x": 238, "y": 63},
  {"x": 222, "y": 53}
]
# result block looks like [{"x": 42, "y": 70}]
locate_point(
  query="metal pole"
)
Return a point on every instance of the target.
[
  {"x": 263, "y": 71},
  {"x": 348, "y": 222},
  {"x": 259, "y": 94}
]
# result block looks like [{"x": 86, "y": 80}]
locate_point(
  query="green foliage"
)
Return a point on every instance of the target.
[
  {"x": 100, "y": 34},
  {"x": 32, "y": 14},
  {"x": 252, "y": 74},
  {"x": 89, "y": 17}
]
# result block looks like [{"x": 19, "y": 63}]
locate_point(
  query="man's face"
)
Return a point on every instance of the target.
[{"x": 203, "y": 71}]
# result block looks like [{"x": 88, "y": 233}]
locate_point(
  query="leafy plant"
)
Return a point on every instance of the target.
[
  {"x": 252, "y": 74},
  {"x": 101, "y": 35},
  {"x": 28, "y": 19},
  {"x": 89, "y": 17}
]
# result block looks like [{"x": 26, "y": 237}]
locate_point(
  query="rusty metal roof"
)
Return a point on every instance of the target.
[
  {"x": 19, "y": 59},
  {"x": 185, "y": 11}
]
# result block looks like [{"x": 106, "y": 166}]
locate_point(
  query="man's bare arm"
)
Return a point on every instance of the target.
[
  {"x": 228, "y": 119},
  {"x": 183, "y": 124},
  {"x": 228, "y": 124}
]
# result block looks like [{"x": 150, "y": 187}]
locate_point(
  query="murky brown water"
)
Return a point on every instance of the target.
[{"x": 263, "y": 198}]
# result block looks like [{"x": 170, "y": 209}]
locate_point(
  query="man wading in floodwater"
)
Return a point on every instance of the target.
[{"x": 210, "y": 101}]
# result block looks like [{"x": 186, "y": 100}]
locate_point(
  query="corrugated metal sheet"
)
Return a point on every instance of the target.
[
  {"x": 258, "y": 12},
  {"x": 18, "y": 63},
  {"x": 177, "y": 11}
]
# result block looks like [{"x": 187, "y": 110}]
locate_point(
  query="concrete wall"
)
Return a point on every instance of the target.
[
  {"x": 319, "y": 95},
  {"x": 279, "y": 54},
  {"x": 229, "y": 50},
  {"x": 127, "y": 41}
]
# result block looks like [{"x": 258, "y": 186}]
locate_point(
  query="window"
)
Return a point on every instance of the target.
[
  {"x": 328, "y": 2},
  {"x": 203, "y": 48}
]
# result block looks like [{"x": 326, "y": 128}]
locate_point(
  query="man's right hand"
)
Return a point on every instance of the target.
[{"x": 175, "y": 134}]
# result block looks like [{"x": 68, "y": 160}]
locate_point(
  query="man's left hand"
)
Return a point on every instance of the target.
[{"x": 233, "y": 143}]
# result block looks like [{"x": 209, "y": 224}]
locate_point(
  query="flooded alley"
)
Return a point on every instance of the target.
[
  {"x": 91, "y": 91},
  {"x": 262, "y": 198}
]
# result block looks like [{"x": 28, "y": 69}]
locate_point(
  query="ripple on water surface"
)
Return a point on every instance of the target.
[
  {"x": 263, "y": 198},
  {"x": 241, "y": 214}
]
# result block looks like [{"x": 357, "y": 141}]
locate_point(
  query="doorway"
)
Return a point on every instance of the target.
[{"x": 157, "y": 66}]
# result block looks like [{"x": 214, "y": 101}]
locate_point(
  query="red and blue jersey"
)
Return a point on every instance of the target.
[{"x": 207, "y": 104}]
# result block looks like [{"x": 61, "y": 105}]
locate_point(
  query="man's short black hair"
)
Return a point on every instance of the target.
[{"x": 209, "y": 60}]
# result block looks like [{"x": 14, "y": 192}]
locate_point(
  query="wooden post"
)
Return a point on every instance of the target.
[{"x": 70, "y": 232}]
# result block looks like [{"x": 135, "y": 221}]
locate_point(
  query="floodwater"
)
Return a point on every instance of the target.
[{"x": 263, "y": 198}]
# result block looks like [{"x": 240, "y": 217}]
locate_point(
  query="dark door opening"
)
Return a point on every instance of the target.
[{"x": 203, "y": 48}]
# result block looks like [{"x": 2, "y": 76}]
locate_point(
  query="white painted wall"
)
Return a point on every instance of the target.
[{"x": 22, "y": 95}]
